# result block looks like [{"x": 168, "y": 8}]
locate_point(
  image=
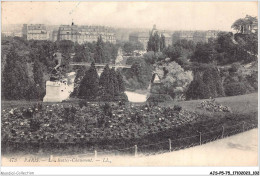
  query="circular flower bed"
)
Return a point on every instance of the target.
[{"x": 92, "y": 122}]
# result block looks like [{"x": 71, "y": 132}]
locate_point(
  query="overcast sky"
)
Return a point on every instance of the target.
[{"x": 166, "y": 15}]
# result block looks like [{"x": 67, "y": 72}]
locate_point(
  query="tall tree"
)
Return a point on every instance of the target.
[
  {"x": 114, "y": 81},
  {"x": 120, "y": 80},
  {"x": 88, "y": 88},
  {"x": 38, "y": 78},
  {"x": 155, "y": 42},
  {"x": 15, "y": 83},
  {"x": 99, "y": 51},
  {"x": 104, "y": 77},
  {"x": 162, "y": 43}
]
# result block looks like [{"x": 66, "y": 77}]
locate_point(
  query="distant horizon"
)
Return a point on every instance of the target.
[
  {"x": 129, "y": 28},
  {"x": 170, "y": 16}
]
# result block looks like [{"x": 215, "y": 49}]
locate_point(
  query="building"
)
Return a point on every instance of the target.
[
  {"x": 180, "y": 35},
  {"x": 143, "y": 37},
  {"x": 54, "y": 36},
  {"x": 12, "y": 34},
  {"x": 35, "y": 32},
  {"x": 83, "y": 34},
  {"x": 196, "y": 36}
]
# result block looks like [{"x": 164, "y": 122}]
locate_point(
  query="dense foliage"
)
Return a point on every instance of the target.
[
  {"x": 89, "y": 84},
  {"x": 139, "y": 75},
  {"x": 36, "y": 62},
  {"x": 156, "y": 42},
  {"x": 227, "y": 49},
  {"x": 108, "y": 87},
  {"x": 129, "y": 47},
  {"x": 15, "y": 80},
  {"x": 173, "y": 78},
  {"x": 207, "y": 83}
]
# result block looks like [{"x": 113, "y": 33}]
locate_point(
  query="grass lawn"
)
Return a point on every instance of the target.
[{"x": 238, "y": 104}]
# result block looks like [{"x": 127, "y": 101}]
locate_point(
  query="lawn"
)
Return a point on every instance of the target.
[{"x": 238, "y": 104}]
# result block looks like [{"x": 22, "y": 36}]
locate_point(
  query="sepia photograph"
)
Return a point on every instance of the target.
[{"x": 129, "y": 84}]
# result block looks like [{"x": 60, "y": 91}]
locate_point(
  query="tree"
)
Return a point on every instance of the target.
[
  {"x": 197, "y": 89},
  {"x": 82, "y": 54},
  {"x": 206, "y": 83},
  {"x": 245, "y": 25},
  {"x": 154, "y": 42},
  {"x": 89, "y": 85},
  {"x": 173, "y": 52},
  {"x": 80, "y": 75},
  {"x": 204, "y": 53},
  {"x": 174, "y": 79},
  {"x": 99, "y": 51},
  {"x": 38, "y": 79},
  {"x": 114, "y": 81},
  {"x": 162, "y": 42},
  {"x": 129, "y": 47},
  {"x": 15, "y": 82},
  {"x": 104, "y": 77},
  {"x": 120, "y": 80}
]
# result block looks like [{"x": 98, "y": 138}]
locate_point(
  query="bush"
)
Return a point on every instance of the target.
[
  {"x": 236, "y": 88},
  {"x": 207, "y": 83},
  {"x": 159, "y": 98},
  {"x": 83, "y": 103},
  {"x": 106, "y": 109},
  {"x": 177, "y": 108},
  {"x": 234, "y": 67},
  {"x": 253, "y": 80},
  {"x": 122, "y": 98}
]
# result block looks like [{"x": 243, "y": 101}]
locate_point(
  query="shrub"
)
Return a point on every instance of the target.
[
  {"x": 83, "y": 103},
  {"x": 234, "y": 67},
  {"x": 159, "y": 98},
  {"x": 122, "y": 97},
  {"x": 106, "y": 109},
  {"x": 207, "y": 83},
  {"x": 253, "y": 80},
  {"x": 236, "y": 88},
  {"x": 177, "y": 108}
]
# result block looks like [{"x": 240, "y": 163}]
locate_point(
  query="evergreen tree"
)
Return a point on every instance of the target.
[
  {"x": 104, "y": 77},
  {"x": 154, "y": 42},
  {"x": 114, "y": 81},
  {"x": 120, "y": 80},
  {"x": 104, "y": 82},
  {"x": 99, "y": 51},
  {"x": 162, "y": 43},
  {"x": 80, "y": 74},
  {"x": 38, "y": 79},
  {"x": 150, "y": 43},
  {"x": 88, "y": 88},
  {"x": 16, "y": 81}
]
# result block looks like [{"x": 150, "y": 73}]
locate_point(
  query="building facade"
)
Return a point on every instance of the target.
[
  {"x": 35, "y": 32},
  {"x": 196, "y": 36},
  {"x": 83, "y": 34}
]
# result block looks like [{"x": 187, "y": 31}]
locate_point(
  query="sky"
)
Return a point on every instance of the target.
[{"x": 166, "y": 15}]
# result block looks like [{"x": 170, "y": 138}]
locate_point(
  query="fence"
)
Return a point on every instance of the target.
[{"x": 155, "y": 148}]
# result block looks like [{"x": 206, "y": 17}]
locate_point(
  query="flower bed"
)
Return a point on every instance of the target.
[
  {"x": 212, "y": 106},
  {"x": 91, "y": 123}
]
